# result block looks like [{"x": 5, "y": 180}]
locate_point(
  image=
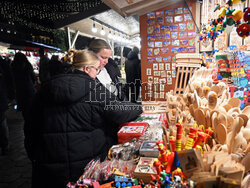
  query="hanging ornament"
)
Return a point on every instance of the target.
[
  {"x": 237, "y": 15},
  {"x": 229, "y": 20},
  {"x": 243, "y": 30},
  {"x": 229, "y": 3},
  {"x": 217, "y": 7},
  {"x": 235, "y": 1},
  {"x": 222, "y": 12},
  {"x": 247, "y": 15}
]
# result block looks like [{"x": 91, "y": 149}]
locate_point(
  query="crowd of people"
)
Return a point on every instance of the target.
[{"x": 71, "y": 118}]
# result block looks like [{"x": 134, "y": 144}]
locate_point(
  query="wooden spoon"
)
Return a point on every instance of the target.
[
  {"x": 234, "y": 102},
  {"x": 220, "y": 133},
  {"x": 199, "y": 116}
]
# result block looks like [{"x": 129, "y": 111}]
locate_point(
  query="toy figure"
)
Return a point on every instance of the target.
[
  {"x": 191, "y": 137},
  {"x": 178, "y": 136}
]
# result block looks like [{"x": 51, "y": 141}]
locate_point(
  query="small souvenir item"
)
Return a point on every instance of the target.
[
  {"x": 191, "y": 49},
  {"x": 150, "y": 29},
  {"x": 151, "y": 15},
  {"x": 163, "y": 74},
  {"x": 160, "y": 20},
  {"x": 190, "y": 26},
  {"x": 174, "y": 27},
  {"x": 169, "y": 74},
  {"x": 151, "y": 37},
  {"x": 126, "y": 133},
  {"x": 158, "y": 59},
  {"x": 162, "y": 80},
  {"x": 178, "y": 18},
  {"x": 167, "y": 59},
  {"x": 150, "y": 79},
  {"x": 162, "y": 87},
  {"x": 159, "y": 13},
  {"x": 150, "y": 86},
  {"x": 191, "y": 34},
  {"x": 157, "y": 29},
  {"x": 157, "y": 73},
  {"x": 169, "y": 19},
  {"x": 149, "y": 71},
  {"x": 150, "y": 94},
  {"x": 173, "y": 66},
  {"x": 166, "y": 43},
  {"x": 182, "y": 26},
  {"x": 155, "y": 66},
  {"x": 151, "y": 22},
  {"x": 158, "y": 44},
  {"x": 167, "y": 36},
  {"x": 162, "y": 94},
  {"x": 182, "y": 35},
  {"x": 169, "y": 81},
  {"x": 165, "y": 28},
  {"x": 151, "y": 59},
  {"x": 169, "y": 12},
  {"x": 149, "y": 149},
  {"x": 150, "y": 52},
  {"x": 191, "y": 42},
  {"x": 182, "y": 49},
  {"x": 167, "y": 66},
  {"x": 174, "y": 50},
  {"x": 161, "y": 66},
  {"x": 173, "y": 73},
  {"x": 151, "y": 44},
  {"x": 184, "y": 42},
  {"x": 164, "y": 50},
  {"x": 156, "y": 51},
  {"x": 187, "y": 17},
  {"x": 185, "y": 10},
  {"x": 156, "y": 94},
  {"x": 174, "y": 35},
  {"x": 178, "y": 11},
  {"x": 159, "y": 37},
  {"x": 156, "y": 86},
  {"x": 175, "y": 42}
]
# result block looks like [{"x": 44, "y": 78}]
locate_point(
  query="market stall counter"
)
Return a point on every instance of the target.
[{"x": 196, "y": 139}]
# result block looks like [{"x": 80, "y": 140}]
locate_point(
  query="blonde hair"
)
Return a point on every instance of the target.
[
  {"x": 80, "y": 58},
  {"x": 97, "y": 45}
]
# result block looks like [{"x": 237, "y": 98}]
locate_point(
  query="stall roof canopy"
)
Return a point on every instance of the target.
[
  {"x": 131, "y": 7},
  {"x": 49, "y": 13}
]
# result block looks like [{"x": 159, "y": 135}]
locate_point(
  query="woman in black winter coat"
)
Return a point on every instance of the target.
[
  {"x": 70, "y": 124},
  {"x": 24, "y": 78}
]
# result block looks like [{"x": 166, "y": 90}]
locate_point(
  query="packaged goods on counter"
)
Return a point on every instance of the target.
[{"x": 149, "y": 149}]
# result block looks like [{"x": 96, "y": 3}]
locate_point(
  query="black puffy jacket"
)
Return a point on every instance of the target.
[{"x": 72, "y": 122}]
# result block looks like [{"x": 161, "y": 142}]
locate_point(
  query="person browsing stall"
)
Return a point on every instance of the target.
[
  {"x": 70, "y": 123},
  {"x": 107, "y": 76}
]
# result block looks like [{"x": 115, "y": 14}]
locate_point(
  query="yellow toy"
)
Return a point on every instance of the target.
[
  {"x": 237, "y": 15},
  {"x": 222, "y": 12}
]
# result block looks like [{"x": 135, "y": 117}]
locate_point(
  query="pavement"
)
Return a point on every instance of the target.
[{"x": 15, "y": 167}]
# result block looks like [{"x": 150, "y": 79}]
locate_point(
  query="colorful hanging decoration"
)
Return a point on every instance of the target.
[{"x": 227, "y": 17}]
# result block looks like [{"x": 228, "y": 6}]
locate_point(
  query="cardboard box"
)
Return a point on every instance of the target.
[
  {"x": 207, "y": 182},
  {"x": 127, "y": 133},
  {"x": 149, "y": 149},
  {"x": 228, "y": 182},
  {"x": 191, "y": 161},
  {"x": 233, "y": 174},
  {"x": 144, "y": 169}
]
